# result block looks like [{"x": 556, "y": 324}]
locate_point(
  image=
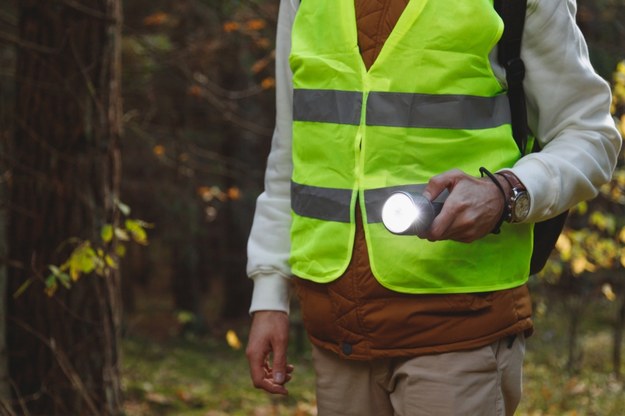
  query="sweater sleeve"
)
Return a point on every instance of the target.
[
  {"x": 568, "y": 112},
  {"x": 269, "y": 242}
]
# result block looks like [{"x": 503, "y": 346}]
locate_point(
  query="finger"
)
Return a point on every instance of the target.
[
  {"x": 439, "y": 183},
  {"x": 279, "y": 368},
  {"x": 258, "y": 367},
  {"x": 441, "y": 225},
  {"x": 262, "y": 375},
  {"x": 269, "y": 386}
]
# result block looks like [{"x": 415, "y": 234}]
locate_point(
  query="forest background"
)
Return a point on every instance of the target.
[{"x": 133, "y": 141}]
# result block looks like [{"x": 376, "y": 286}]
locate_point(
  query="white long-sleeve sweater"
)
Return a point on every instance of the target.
[{"x": 568, "y": 112}]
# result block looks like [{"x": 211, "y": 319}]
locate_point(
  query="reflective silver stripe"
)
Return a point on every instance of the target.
[
  {"x": 467, "y": 112},
  {"x": 327, "y": 106},
  {"x": 331, "y": 204},
  {"x": 397, "y": 109},
  {"x": 328, "y": 204}
]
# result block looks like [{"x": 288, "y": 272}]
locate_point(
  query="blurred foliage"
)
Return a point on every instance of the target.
[
  {"x": 589, "y": 259},
  {"x": 198, "y": 96}
]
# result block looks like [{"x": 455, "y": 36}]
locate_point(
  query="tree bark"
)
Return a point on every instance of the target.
[
  {"x": 5, "y": 391},
  {"x": 63, "y": 350}
]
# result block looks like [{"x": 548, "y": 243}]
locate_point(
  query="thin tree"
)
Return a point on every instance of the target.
[{"x": 63, "y": 347}]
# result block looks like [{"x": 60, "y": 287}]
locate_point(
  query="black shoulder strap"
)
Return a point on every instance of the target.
[{"x": 509, "y": 56}]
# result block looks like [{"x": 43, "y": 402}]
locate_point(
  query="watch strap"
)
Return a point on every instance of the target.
[
  {"x": 512, "y": 180},
  {"x": 516, "y": 188}
]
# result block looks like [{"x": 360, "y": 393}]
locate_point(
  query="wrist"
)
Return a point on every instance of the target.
[
  {"x": 504, "y": 211},
  {"x": 518, "y": 200}
]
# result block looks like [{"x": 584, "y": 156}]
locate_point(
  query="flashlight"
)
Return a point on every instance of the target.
[{"x": 409, "y": 213}]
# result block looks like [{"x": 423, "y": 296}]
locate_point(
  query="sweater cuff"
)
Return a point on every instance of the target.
[{"x": 271, "y": 293}]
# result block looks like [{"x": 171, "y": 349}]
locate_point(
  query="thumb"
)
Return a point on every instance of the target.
[{"x": 279, "y": 362}]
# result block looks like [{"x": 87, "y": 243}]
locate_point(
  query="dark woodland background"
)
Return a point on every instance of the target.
[{"x": 133, "y": 139}]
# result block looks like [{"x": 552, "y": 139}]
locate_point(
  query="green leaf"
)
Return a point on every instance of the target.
[
  {"x": 135, "y": 227},
  {"x": 82, "y": 260},
  {"x": 107, "y": 233},
  {"x": 110, "y": 262},
  {"x": 64, "y": 279},
  {"x": 120, "y": 250},
  {"x": 51, "y": 285}
]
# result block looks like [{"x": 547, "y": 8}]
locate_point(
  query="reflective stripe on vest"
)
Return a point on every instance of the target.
[
  {"x": 402, "y": 109},
  {"x": 331, "y": 204}
]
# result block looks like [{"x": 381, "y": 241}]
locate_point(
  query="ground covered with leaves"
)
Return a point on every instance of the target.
[{"x": 205, "y": 375}]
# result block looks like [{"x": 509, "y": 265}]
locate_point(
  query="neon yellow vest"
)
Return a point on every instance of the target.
[{"x": 429, "y": 103}]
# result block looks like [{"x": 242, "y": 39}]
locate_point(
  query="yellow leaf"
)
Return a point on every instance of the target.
[
  {"x": 581, "y": 264},
  {"x": 205, "y": 193},
  {"x": 135, "y": 227},
  {"x": 195, "y": 91},
  {"x": 607, "y": 291},
  {"x": 259, "y": 65},
  {"x": 106, "y": 233},
  {"x": 231, "y": 27},
  {"x": 74, "y": 273},
  {"x": 156, "y": 19},
  {"x": 159, "y": 150},
  {"x": 255, "y": 24},
  {"x": 582, "y": 207},
  {"x": 233, "y": 340},
  {"x": 234, "y": 193},
  {"x": 268, "y": 83},
  {"x": 563, "y": 245},
  {"x": 110, "y": 262}
]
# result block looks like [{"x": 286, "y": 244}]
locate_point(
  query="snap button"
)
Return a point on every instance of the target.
[{"x": 347, "y": 348}]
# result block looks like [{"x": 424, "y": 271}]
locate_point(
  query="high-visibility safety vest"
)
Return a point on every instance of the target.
[{"x": 429, "y": 103}]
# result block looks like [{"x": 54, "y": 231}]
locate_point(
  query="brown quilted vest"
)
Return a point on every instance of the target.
[{"x": 359, "y": 319}]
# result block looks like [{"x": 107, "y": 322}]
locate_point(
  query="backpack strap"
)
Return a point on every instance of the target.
[{"x": 509, "y": 57}]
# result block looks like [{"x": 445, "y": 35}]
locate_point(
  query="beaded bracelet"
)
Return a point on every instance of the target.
[{"x": 504, "y": 214}]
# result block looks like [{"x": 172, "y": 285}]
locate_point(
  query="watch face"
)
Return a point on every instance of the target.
[{"x": 521, "y": 207}]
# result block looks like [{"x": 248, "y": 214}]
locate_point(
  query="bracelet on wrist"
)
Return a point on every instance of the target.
[{"x": 505, "y": 213}]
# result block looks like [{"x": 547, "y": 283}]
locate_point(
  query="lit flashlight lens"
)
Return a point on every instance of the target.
[{"x": 399, "y": 213}]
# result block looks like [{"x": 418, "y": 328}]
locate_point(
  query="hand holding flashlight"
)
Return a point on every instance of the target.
[{"x": 409, "y": 213}]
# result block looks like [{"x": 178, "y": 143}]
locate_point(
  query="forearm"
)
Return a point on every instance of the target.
[{"x": 269, "y": 241}]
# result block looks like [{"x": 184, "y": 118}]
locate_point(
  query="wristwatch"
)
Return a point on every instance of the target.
[{"x": 519, "y": 201}]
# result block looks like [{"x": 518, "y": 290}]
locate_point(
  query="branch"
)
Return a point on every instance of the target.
[
  {"x": 88, "y": 11},
  {"x": 26, "y": 44},
  {"x": 64, "y": 364}
]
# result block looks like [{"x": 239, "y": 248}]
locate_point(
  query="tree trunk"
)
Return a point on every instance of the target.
[
  {"x": 619, "y": 324},
  {"x": 5, "y": 392},
  {"x": 63, "y": 350}
]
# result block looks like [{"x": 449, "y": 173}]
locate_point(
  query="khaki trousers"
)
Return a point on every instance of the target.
[{"x": 481, "y": 382}]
